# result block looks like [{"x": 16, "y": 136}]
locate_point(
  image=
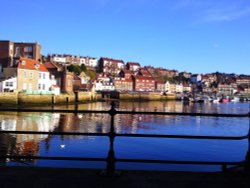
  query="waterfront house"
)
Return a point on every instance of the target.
[
  {"x": 29, "y": 76},
  {"x": 159, "y": 85},
  {"x": 187, "y": 87},
  {"x": 8, "y": 85},
  {"x": 179, "y": 88},
  {"x": 226, "y": 89},
  {"x": 143, "y": 83},
  {"x": 104, "y": 82},
  {"x": 170, "y": 87},
  {"x": 123, "y": 84}
]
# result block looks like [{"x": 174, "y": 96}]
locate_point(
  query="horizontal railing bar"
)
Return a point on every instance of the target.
[
  {"x": 184, "y": 114},
  {"x": 51, "y": 110},
  {"x": 55, "y": 133},
  {"x": 129, "y": 135},
  {"x": 179, "y": 162},
  {"x": 122, "y": 112},
  {"x": 184, "y": 136},
  {"x": 124, "y": 160},
  {"x": 54, "y": 158}
]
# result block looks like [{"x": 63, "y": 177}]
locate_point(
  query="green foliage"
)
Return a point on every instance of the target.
[
  {"x": 83, "y": 68},
  {"x": 75, "y": 68},
  {"x": 91, "y": 74}
]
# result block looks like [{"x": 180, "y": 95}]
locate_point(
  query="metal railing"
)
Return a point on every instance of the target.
[{"x": 111, "y": 160}]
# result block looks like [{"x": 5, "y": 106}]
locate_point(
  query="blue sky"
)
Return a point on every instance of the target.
[{"x": 198, "y": 36}]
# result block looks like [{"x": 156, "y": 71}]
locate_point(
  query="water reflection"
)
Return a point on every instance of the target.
[{"x": 25, "y": 144}]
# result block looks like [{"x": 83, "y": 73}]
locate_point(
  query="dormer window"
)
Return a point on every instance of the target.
[
  {"x": 23, "y": 62},
  {"x": 37, "y": 66}
]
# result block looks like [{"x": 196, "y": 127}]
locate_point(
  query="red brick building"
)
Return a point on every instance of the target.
[{"x": 143, "y": 83}]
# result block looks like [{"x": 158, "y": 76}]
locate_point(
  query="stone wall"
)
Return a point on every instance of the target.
[
  {"x": 145, "y": 96},
  {"x": 8, "y": 98},
  {"x": 24, "y": 99}
]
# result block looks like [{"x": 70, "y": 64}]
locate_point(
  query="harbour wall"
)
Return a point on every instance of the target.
[
  {"x": 9, "y": 98},
  {"x": 145, "y": 96}
]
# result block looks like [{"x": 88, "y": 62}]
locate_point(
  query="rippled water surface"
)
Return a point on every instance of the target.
[{"x": 127, "y": 147}]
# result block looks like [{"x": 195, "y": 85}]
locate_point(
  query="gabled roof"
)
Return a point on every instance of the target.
[{"x": 25, "y": 63}]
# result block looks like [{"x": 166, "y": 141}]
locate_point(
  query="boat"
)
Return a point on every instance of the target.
[{"x": 235, "y": 99}]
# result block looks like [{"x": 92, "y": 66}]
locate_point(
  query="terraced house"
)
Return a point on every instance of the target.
[{"x": 29, "y": 76}]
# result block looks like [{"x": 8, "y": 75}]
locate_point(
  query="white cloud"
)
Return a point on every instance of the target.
[
  {"x": 225, "y": 14},
  {"x": 214, "y": 11}
]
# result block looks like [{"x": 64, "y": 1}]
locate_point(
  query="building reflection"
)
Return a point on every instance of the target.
[
  {"x": 24, "y": 144},
  {"x": 30, "y": 145}
]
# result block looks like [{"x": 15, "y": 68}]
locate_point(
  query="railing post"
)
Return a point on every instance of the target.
[
  {"x": 247, "y": 160},
  {"x": 110, "y": 170}
]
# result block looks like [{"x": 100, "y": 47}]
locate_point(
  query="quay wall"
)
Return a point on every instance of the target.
[
  {"x": 12, "y": 98},
  {"x": 24, "y": 99},
  {"x": 145, "y": 96},
  {"x": 9, "y": 98}
]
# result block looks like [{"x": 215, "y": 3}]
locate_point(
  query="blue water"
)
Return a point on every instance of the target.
[{"x": 131, "y": 148}]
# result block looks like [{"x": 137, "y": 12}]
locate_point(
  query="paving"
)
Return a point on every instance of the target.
[{"x": 34, "y": 177}]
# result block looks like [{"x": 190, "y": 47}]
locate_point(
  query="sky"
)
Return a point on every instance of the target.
[{"x": 197, "y": 36}]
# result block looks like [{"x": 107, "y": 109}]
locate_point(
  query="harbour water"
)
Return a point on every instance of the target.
[{"x": 132, "y": 148}]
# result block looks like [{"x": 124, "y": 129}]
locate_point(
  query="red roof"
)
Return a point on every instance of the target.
[
  {"x": 139, "y": 77},
  {"x": 112, "y": 60},
  {"x": 25, "y": 63},
  {"x": 133, "y": 64},
  {"x": 49, "y": 65}
]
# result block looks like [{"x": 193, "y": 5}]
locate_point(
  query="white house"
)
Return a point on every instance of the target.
[
  {"x": 9, "y": 84},
  {"x": 195, "y": 78}
]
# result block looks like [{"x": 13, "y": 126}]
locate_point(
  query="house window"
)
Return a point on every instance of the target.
[
  {"x": 25, "y": 75},
  {"x": 44, "y": 75},
  {"x": 28, "y": 49},
  {"x": 43, "y": 86},
  {"x": 39, "y": 87},
  {"x": 40, "y": 75},
  {"x": 31, "y": 75},
  {"x": 9, "y": 84}
]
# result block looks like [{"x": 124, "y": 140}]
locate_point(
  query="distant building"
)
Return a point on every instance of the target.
[
  {"x": 143, "y": 83},
  {"x": 195, "y": 78},
  {"x": 160, "y": 85},
  {"x": 9, "y": 51},
  {"x": 133, "y": 66},
  {"x": 111, "y": 66}
]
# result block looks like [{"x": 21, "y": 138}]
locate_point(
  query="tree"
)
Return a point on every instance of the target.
[
  {"x": 74, "y": 68},
  {"x": 83, "y": 68}
]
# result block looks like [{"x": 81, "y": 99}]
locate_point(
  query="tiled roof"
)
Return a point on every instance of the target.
[{"x": 25, "y": 63}]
